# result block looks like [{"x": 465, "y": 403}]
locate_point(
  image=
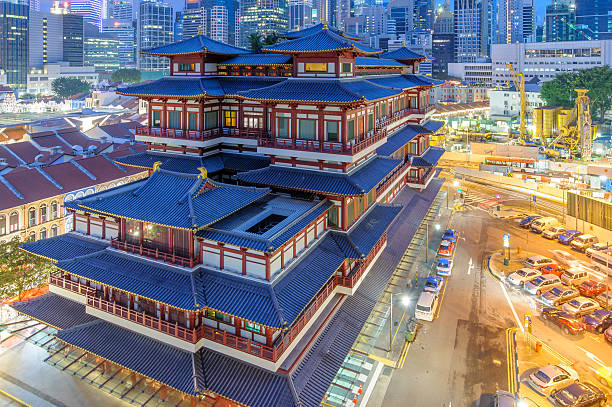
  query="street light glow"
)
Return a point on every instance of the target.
[
  {"x": 455, "y": 183},
  {"x": 405, "y": 301},
  {"x": 437, "y": 226}
]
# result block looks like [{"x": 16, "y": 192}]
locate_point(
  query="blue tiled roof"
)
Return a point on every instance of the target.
[
  {"x": 233, "y": 85},
  {"x": 429, "y": 80},
  {"x": 225, "y": 231},
  {"x": 433, "y": 125},
  {"x": 346, "y": 245},
  {"x": 358, "y": 182},
  {"x": 144, "y": 278},
  {"x": 321, "y": 41},
  {"x": 64, "y": 246},
  {"x": 368, "y": 230},
  {"x": 400, "y": 139},
  {"x": 315, "y": 29},
  {"x": 173, "y": 199},
  {"x": 258, "y": 59},
  {"x": 402, "y": 53},
  {"x": 190, "y": 164},
  {"x": 194, "y": 45},
  {"x": 429, "y": 158},
  {"x": 399, "y": 81},
  {"x": 381, "y": 62},
  {"x": 54, "y": 310},
  {"x": 370, "y": 91}
]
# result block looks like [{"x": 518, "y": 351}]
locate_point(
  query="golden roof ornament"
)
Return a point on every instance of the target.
[
  {"x": 156, "y": 165},
  {"x": 203, "y": 172}
]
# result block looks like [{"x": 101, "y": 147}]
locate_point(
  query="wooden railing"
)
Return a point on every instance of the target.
[
  {"x": 200, "y": 135},
  {"x": 234, "y": 341},
  {"x": 70, "y": 285},
  {"x": 153, "y": 253},
  {"x": 429, "y": 172},
  {"x": 352, "y": 279},
  {"x": 389, "y": 181}
]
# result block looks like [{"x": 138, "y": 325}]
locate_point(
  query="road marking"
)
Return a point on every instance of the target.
[
  {"x": 399, "y": 325},
  {"x": 441, "y": 299},
  {"x": 384, "y": 361},
  {"x": 370, "y": 389},
  {"x": 404, "y": 355},
  {"x": 510, "y": 361},
  {"x": 518, "y": 321},
  {"x": 470, "y": 266}
]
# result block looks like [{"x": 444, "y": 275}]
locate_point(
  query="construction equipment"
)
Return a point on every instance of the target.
[{"x": 519, "y": 83}]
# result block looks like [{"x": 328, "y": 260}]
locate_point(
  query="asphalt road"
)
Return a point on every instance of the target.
[{"x": 460, "y": 359}]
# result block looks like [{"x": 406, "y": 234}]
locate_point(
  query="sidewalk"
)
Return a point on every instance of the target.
[{"x": 496, "y": 263}]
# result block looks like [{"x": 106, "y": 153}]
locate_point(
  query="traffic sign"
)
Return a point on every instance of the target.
[{"x": 534, "y": 198}]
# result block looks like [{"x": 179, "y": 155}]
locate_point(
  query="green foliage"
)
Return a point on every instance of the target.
[
  {"x": 19, "y": 270},
  {"x": 67, "y": 87},
  {"x": 126, "y": 76},
  {"x": 255, "y": 42},
  {"x": 598, "y": 81},
  {"x": 271, "y": 38}
]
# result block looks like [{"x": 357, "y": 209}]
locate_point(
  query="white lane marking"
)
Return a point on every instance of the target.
[
  {"x": 470, "y": 266},
  {"x": 370, "y": 389},
  {"x": 518, "y": 321}
]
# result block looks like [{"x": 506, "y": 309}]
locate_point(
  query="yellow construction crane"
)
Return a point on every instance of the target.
[{"x": 519, "y": 83}]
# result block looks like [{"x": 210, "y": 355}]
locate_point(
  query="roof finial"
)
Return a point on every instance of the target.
[
  {"x": 156, "y": 165},
  {"x": 203, "y": 172},
  {"x": 200, "y": 30},
  {"x": 403, "y": 43}
]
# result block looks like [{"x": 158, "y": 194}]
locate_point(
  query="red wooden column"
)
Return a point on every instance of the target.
[
  {"x": 240, "y": 116},
  {"x": 103, "y": 228},
  {"x": 191, "y": 245},
  {"x": 201, "y": 125},
  {"x": 221, "y": 256},
  {"x": 294, "y": 131},
  {"x": 140, "y": 232},
  {"x": 321, "y": 126},
  {"x": 88, "y": 223},
  {"x": 344, "y": 129},
  {"x": 150, "y": 114},
  {"x": 184, "y": 115},
  {"x": 170, "y": 243},
  {"x": 272, "y": 121},
  {"x": 244, "y": 260},
  {"x": 267, "y": 255},
  {"x": 282, "y": 257},
  {"x": 265, "y": 118},
  {"x": 164, "y": 118},
  {"x": 269, "y": 333}
]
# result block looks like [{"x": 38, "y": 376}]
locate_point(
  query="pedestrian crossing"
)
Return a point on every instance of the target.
[{"x": 478, "y": 199}]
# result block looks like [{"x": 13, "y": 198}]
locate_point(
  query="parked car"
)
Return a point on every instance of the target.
[
  {"x": 597, "y": 247},
  {"x": 541, "y": 284},
  {"x": 558, "y": 296},
  {"x": 604, "y": 374},
  {"x": 592, "y": 288},
  {"x": 521, "y": 276},
  {"x": 451, "y": 235},
  {"x": 567, "y": 236},
  {"x": 537, "y": 261},
  {"x": 604, "y": 300},
  {"x": 553, "y": 232},
  {"x": 433, "y": 284},
  {"x": 597, "y": 321},
  {"x": 552, "y": 269},
  {"x": 539, "y": 225},
  {"x": 579, "y": 395},
  {"x": 549, "y": 378},
  {"x": 566, "y": 258},
  {"x": 583, "y": 242},
  {"x": 444, "y": 267},
  {"x": 608, "y": 335},
  {"x": 569, "y": 324},
  {"x": 446, "y": 248},
  {"x": 504, "y": 399},
  {"x": 580, "y": 306},
  {"x": 574, "y": 276},
  {"x": 526, "y": 223}
]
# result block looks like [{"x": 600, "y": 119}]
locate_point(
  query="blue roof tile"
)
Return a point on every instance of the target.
[
  {"x": 374, "y": 171},
  {"x": 429, "y": 158},
  {"x": 346, "y": 245},
  {"x": 258, "y": 59},
  {"x": 54, "y": 310},
  {"x": 399, "y": 139},
  {"x": 233, "y": 85},
  {"x": 372, "y": 225},
  {"x": 173, "y": 199},
  {"x": 195, "y": 45},
  {"x": 322, "y": 41},
  {"x": 64, "y": 246},
  {"x": 378, "y": 62},
  {"x": 399, "y": 81},
  {"x": 315, "y": 29},
  {"x": 433, "y": 125},
  {"x": 402, "y": 53}
]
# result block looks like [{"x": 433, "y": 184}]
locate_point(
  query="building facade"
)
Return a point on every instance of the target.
[
  {"x": 101, "y": 50},
  {"x": 505, "y": 104},
  {"x": 473, "y": 72},
  {"x": 14, "y": 42},
  {"x": 40, "y": 79},
  {"x": 594, "y": 17},
  {"x": 560, "y": 21},
  {"x": 471, "y": 19},
  {"x": 91, "y": 10},
  {"x": 257, "y": 17},
  {"x": 155, "y": 28},
  {"x": 125, "y": 32}
]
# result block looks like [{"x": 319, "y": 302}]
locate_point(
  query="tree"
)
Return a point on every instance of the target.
[
  {"x": 271, "y": 38},
  {"x": 19, "y": 270},
  {"x": 255, "y": 42},
  {"x": 126, "y": 76},
  {"x": 67, "y": 87},
  {"x": 598, "y": 82}
]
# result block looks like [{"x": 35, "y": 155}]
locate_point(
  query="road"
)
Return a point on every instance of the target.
[{"x": 460, "y": 358}]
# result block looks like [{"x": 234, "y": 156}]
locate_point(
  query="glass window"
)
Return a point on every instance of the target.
[
  {"x": 307, "y": 129},
  {"x": 332, "y": 216},
  {"x": 230, "y": 118},
  {"x": 2, "y": 225},
  {"x": 53, "y": 230},
  {"x": 351, "y": 211},
  {"x": 218, "y": 316},
  {"x": 32, "y": 217},
  {"x": 32, "y": 236},
  {"x": 383, "y": 109},
  {"x": 14, "y": 222},
  {"x": 192, "y": 121},
  {"x": 377, "y": 112},
  {"x": 43, "y": 213},
  {"x": 211, "y": 120},
  {"x": 43, "y": 233},
  {"x": 186, "y": 67},
  {"x": 316, "y": 67},
  {"x": 361, "y": 201},
  {"x": 174, "y": 120},
  {"x": 54, "y": 210},
  {"x": 371, "y": 197},
  {"x": 283, "y": 127},
  {"x": 370, "y": 121},
  {"x": 332, "y": 131},
  {"x": 350, "y": 130},
  {"x": 156, "y": 118},
  {"x": 252, "y": 327},
  {"x": 346, "y": 67}
]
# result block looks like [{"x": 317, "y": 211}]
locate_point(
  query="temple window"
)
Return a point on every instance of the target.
[
  {"x": 383, "y": 109},
  {"x": 350, "y": 130},
  {"x": 174, "y": 120},
  {"x": 332, "y": 131},
  {"x": 14, "y": 222},
  {"x": 192, "y": 121},
  {"x": 332, "y": 216},
  {"x": 316, "y": 67},
  {"x": 212, "y": 121},
  {"x": 371, "y": 197},
  {"x": 133, "y": 231},
  {"x": 351, "y": 211},
  {"x": 377, "y": 112},
  {"x": 186, "y": 67},
  {"x": 155, "y": 237},
  {"x": 218, "y": 316},
  {"x": 370, "y": 121},
  {"x": 230, "y": 118},
  {"x": 253, "y": 122},
  {"x": 252, "y": 327},
  {"x": 282, "y": 127},
  {"x": 361, "y": 202},
  {"x": 307, "y": 129},
  {"x": 2, "y": 225},
  {"x": 412, "y": 148},
  {"x": 156, "y": 118},
  {"x": 346, "y": 67}
]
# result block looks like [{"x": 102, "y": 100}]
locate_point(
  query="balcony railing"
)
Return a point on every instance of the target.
[
  {"x": 153, "y": 253},
  {"x": 70, "y": 285},
  {"x": 233, "y": 341},
  {"x": 352, "y": 279},
  {"x": 387, "y": 183},
  {"x": 200, "y": 135},
  {"x": 422, "y": 180}
]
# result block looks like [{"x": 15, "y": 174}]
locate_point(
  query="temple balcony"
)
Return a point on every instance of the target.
[
  {"x": 160, "y": 254},
  {"x": 422, "y": 180},
  {"x": 156, "y": 134},
  {"x": 71, "y": 289},
  {"x": 389, "y": 182}
]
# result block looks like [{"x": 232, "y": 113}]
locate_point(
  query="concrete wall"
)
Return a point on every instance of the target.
[
  {"x": 510, "y": 181},
  {"x": 503, "y": 150},
  {"x": 604, "y": 235}
]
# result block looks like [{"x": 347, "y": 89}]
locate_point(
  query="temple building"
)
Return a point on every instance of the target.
[{"x": 271, "y": 188}]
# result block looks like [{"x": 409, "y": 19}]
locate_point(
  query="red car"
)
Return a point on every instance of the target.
[
  {"x": 552, "y": 269},
  {"x": 591, "y": 288},
  {"x": 446, "y": 248},
  {"x": 568, "y": 324}
]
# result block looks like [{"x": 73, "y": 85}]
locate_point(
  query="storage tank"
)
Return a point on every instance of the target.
[
  {"x": 548, "y": 122},
  {"x": 538, "y": 121}
]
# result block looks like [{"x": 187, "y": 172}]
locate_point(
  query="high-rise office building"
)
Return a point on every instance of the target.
[
  {"x": 528, "y": 22},
  {"x": 219, "y": 23},
  {"x": 34, "y": 5},
  {"x": 594, "y": 19},
  {"x": 560, "y": 21},
  {"x": 125, "y": 33},
  {"x": 402, "y": 13},
  {"x": 300, "y": 14},
  {"x": 72, "y": 27},
  {"x": 443, "y": 22},
  {"x": 194, "y": 20},
  {"x": 119, "y": 10},
  {"x": 217, "y": 19},
  {"x": 423, "y": 15},
  {"x": 100, "y": 50},
  {"x": 178, "y": 26},
  {"x": 262, "y": 17},
  {"x": 509, "y": 18},
  {"x": 91, "y": 10},
  {"x": 443, "y": 41},
  {"x": 14, "y": 42},
  {"x": 472, "y": 19},
  {"x": 155, "y": 28}
]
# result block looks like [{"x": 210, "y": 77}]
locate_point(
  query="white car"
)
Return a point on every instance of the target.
[
  {"x": 565, "y": 258},
  {"x": 553, "y": 232},
  {"x": 444, "y": 267},
  {"x": 521, "y": 276},
  {"x": 541, "y": 284},
  {"x": 580, "y": 306},
  {"x": 552, "y": 377}
]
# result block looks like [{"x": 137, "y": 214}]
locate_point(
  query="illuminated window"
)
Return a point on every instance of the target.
[
  {"x": 316, "y": 67},
  {"x": 332, "y": 131},
  {"x": 230, "y": 118},
  {"x": 252, "y": 327},
  {"x": 210, "y": 314},
  {"x": 186, "y": 67},
  {"x": 307, "y": 129}
]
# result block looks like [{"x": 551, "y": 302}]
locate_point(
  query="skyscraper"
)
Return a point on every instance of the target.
[
  {"x": 216, "y": 19},
  {"x": 100, "y": 50},
  {"x": 443, "y": 41},
  {"x": 262, "y": 17},
  {"x": 594, "y": 19},
  {"x": 91, "y": 10},
  {"x": 560, "y": 21},
  {"x": 125, "y": 32},
  {"x": 471, "y": 29},
  {"x": 423, "y": 14},
  {"x": 178, "y": 26},
  {"x": 119, "y": 9},
  {"x": 72, "y": 28},
  {"x": 402, "y": 12},
  {"x": 34, "y": 5},
  {"x": 194, "y": 20},
  {"x": 300, "y": 14},
  {"x": 14, "y": 42},
  {"x": 510, "y": 15},
  {"x": 155, "y": 28}
]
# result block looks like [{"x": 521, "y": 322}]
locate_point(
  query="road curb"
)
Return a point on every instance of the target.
[{"x": 495, "y": 276}]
